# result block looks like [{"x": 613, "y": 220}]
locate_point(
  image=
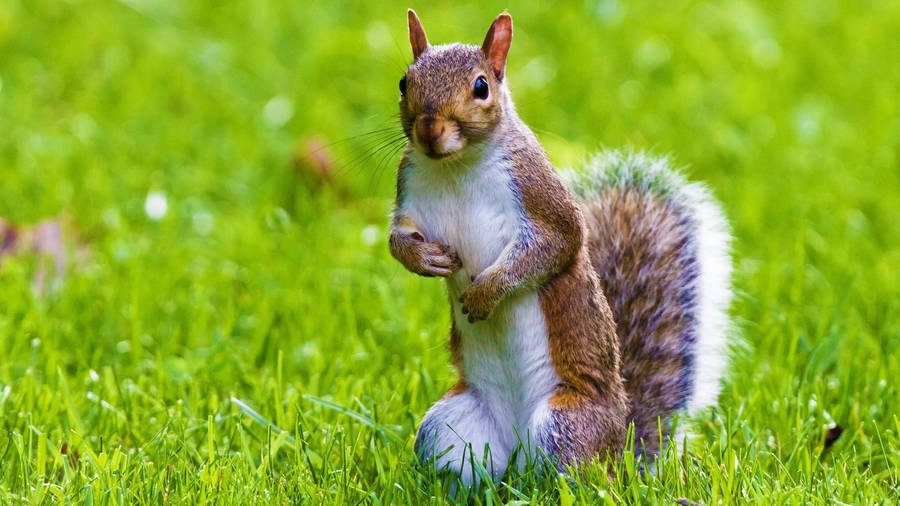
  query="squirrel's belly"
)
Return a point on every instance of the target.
[{"x": 506, "y": 358}]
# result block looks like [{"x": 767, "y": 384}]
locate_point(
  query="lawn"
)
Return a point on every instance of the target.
[{"x": 231, "y": 327}]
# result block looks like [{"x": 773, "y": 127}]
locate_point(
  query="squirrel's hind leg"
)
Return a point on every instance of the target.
[
  {"x": 570, "y": 428},
  {"x": 459, "y": 434}
]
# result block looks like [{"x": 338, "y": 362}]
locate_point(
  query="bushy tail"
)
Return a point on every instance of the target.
[{"x": 661, "y": 248}]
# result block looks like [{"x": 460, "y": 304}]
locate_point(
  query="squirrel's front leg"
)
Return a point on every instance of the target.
[
  {"x": 424, "y": 258},
  {"x": 538, "y": 253},
  {"x": 481, "y": 297},
  {"x": 503, "y": 276}
]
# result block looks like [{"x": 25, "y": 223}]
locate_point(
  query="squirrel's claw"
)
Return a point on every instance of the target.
[{"x": 478, "y": 300}]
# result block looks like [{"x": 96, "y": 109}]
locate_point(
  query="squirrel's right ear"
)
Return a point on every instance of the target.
[
  {"x": 496, "y": 44},
  {"x": 417, "y": 38}
]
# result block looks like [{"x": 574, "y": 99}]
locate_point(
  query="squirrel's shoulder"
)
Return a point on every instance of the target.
[{"x": 543, "y": 193}]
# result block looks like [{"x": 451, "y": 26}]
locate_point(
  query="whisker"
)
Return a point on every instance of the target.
[
  {"x": 383, "y": 164},
  {"x": 371, "y": 138},
  {"x": 375, "y": 144},
  {"x": 373, "y": 151}
]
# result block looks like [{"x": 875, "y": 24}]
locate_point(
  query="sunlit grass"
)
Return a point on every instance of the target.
[{"x": 254, "y": 341}]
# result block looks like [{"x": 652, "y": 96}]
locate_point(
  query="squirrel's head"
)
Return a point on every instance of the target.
[{"x": 453, "y": 96}]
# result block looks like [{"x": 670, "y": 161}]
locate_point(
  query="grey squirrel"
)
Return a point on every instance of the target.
[{"x": 581, "y": 301}]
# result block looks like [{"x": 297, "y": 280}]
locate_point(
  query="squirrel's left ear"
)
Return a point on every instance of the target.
[
  {"x": 496, "y": 44},
  {"x": 417, "y": 39}
]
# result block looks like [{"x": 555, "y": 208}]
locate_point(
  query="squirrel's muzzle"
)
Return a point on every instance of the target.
[{"x": 437, "y": 137}]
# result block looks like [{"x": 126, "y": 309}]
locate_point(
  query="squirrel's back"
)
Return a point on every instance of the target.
[{"x": 661, "y": 248}]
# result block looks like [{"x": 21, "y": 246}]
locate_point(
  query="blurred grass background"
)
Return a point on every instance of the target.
[{"x": 263, "y": 286}]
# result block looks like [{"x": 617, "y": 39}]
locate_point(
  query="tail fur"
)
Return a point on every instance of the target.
[{"x": 662, "y": 250}]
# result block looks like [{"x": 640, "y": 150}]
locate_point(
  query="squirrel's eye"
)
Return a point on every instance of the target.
[
  {"x": 403, "y": 85},
  {"x": 481, "y": 88}
]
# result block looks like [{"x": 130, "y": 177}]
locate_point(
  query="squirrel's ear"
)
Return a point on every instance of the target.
[
  {"x": 417, "y": 38},
  {"x": 496, "y": 44}
]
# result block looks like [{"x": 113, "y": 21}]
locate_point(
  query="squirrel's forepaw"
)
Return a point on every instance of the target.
[
  {"x": 427, "y": 259},
  {"x": 478, "y": 300},
  {"x": 435, "y": 259}
]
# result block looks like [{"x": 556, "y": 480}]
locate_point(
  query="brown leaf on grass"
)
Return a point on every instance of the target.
[
  {"x": 46, "y": 239},
  {"x": 72, "y": 455},
  {"x": 43, "y": 240},
  {"x": 9, "y": 237},
  {"x": 314, "y": 160}
]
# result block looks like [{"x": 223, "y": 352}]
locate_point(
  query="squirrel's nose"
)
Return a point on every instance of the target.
[{"x": 430, "y": 129}]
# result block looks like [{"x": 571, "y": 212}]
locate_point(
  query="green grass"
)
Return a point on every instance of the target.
[{"x": 258, "y": 343}]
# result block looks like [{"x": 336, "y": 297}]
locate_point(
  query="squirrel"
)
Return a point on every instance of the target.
[{"x": 582, "y": 301}]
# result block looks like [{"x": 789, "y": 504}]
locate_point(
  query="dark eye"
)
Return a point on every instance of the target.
[
  {"x": 481, "y": 88},
  {"x": 403, "y": 85}
]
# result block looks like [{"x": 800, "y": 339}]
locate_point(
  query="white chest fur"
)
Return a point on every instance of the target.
[
  {"x": 476, "y": 210},
  {"x": 472, "y": 209}
]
